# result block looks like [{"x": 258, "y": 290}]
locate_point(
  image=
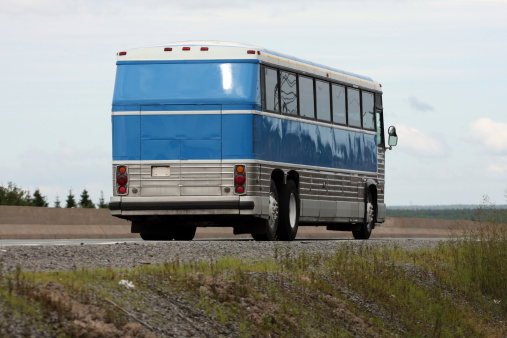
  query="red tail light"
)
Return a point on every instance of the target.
[
  {"x": 186, "y": 48},
  {"x": 239, "y": 179},
  {"x": 204, "y": 49},
  {"x": 168, "y": 49},
  {"x": 122, "y": 180},
  {"x": 122, "y": 53}
]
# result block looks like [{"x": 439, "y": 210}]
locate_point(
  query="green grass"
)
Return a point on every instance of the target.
[{"x": 458, "y": 288}]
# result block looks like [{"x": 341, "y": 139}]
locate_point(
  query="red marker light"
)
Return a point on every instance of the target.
[
  {"x": 186, "y": 48},
  {"x": 122, "y": 190},
  {"x": 168, "y": 49},
  {"x": 250, "y": 52},
  {"x": 122, "y": 53},
  {"x": 204, "y": 49}
]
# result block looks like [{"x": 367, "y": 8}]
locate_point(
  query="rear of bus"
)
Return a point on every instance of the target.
[{"x": 182, "y": 136}]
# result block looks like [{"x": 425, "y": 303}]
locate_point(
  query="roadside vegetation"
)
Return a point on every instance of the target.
[
  {"x": 458, "y": 288},
  {"x": 14, "y": 195}
]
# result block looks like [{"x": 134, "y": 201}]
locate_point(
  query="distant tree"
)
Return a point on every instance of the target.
[
  {"x": 85, "y": 201},
  {"x": 70, "y": 202},
  {"x": 57, "y": 202},
  {"x": 39, "y": 200},
  {"x": 12, "y": 195},
  {"x": 102, "y": 203}
]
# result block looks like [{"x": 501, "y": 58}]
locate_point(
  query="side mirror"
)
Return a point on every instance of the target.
[{"x": 393, "y": 138}]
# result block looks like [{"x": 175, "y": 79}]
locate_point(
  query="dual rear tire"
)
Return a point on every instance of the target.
[{"x": 283, "y": 213}]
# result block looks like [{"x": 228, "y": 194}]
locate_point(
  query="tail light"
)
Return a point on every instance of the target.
[
  {"x": 122, "y": 180},
  {"x": 240, "y": 180}
]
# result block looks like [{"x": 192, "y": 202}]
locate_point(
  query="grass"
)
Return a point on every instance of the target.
[{"x": 458, "y": 288}]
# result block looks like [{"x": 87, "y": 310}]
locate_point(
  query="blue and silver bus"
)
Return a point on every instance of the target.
[{"x": 214, "y": 134}]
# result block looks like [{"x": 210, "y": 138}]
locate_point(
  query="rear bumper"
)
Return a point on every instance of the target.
[{"x": 209, "y": 205}]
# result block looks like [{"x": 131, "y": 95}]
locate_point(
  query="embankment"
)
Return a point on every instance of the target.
[{"x": 40, "y": 223}]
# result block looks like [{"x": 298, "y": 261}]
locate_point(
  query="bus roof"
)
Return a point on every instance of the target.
[{"x": 221, "y": 50}]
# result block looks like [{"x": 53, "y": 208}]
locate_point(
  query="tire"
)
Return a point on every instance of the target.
[
  {"x": 184, "y": 233},
  {"x": 273, "y": 218},
  {"x": 289, "y": 212},
  {"x": 369, "y": 219}
]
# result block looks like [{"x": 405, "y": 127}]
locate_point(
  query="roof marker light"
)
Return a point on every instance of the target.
[
  {"x": 250, "y": 52},
  {"x": 122, "y": 53},
  {"x": 186, "y": 48},
  {"x": 204, "y": 49},
  {"x": 168, "y": 49}
]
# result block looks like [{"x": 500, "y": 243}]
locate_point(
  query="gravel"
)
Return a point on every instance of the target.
[
  {"x": 182, "y": 318},
  {"x": 129, "y": 255}
]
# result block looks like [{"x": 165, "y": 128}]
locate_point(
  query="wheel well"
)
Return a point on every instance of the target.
[
  {"x": 373, "y": 191},
  {"x": 278, "y": 177}
]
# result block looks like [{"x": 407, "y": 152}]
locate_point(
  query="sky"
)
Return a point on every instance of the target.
[{"x": 442, "y": 65}]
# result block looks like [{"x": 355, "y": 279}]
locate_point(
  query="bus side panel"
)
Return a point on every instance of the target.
[
  {"x": 126, "y": 137},
  {"x": 280, "y": 140}
]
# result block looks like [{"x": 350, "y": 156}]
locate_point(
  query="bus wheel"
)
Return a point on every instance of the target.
[
  {"x": 184, "y": 233},
  {"x": 289, "y": 212},
  {"x": 156, "y": 237},
  {"x": 272, "y": 221},
  {"x": 369, "y": 219}
]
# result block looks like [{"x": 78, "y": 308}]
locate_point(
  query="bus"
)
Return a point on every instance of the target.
[{"x": 219, "y": 134}]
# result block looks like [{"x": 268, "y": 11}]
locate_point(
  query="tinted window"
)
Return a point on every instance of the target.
[
  {"x": 380, "y": 134},
  {"x": 354, "y": 108},
  {"x": 339, "y": 110},
  {"x": 368, "y": 114},
  {"x": 289, "y": 95},
  {"x": 271, "y": 90},
  {"x": 323, "y": 100},
  {"x": 306, "y": 106}
]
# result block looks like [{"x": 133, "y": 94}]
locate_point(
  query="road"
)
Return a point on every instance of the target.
[{"x": 109, "y": 241}]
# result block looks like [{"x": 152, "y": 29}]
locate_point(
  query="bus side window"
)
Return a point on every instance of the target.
[
  {"x": 339, "y": 108},
  {"x": 323, "y": 100},
  {"x": 368, "y": 116},
  {"x": 271, "y": 90},
  {"x": 289, "y": 93},
  {"x": 380, "y": 128},
  {"x": 306, "y": 101},
  {"x": 354, "y": 107}
]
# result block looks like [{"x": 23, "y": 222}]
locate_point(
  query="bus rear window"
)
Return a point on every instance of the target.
[{"x": 185, "y": 83}]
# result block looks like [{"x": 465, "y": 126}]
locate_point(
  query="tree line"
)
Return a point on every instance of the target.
[{"x": 13, "y": 195}]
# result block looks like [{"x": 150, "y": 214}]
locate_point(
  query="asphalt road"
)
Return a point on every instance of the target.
[{"x": 109, "y": 241}]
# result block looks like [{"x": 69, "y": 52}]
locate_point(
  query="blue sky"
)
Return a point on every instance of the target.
[{"x": 442, "y": 65}]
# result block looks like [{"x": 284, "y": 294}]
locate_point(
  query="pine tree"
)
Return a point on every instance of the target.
[
  {"x": 39, "y": 200},
  {"x": 71, "y": 202},
  {"x": 12, "y": 195},
  {"x": 85, "y": 200},
  {"x": 102, "y": 203},
  {"x": 57, "y": 202}
]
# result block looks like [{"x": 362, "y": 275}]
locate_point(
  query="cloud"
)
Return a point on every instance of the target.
[
  {"x": 421, "y": 144},
  {"x": 491, "y": 135},
  {"x": 418, "y": 105}
]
